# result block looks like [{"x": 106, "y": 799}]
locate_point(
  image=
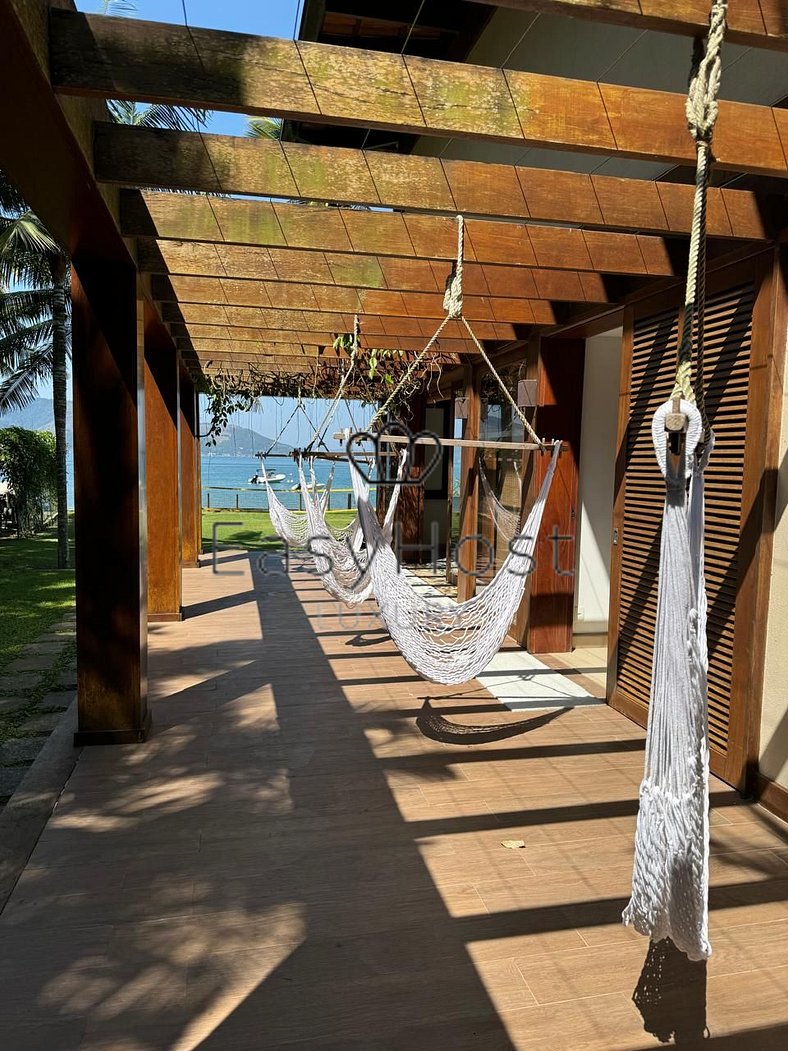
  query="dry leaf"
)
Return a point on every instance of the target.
[{"x": 513, "y": 844}]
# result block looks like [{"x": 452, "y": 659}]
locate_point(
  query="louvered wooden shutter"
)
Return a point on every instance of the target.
[{"x": 654, "y": 343}]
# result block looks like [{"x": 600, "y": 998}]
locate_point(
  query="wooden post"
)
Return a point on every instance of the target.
[
  {"x": 559, "y": 412},
  {"x": 191, "y": 496},
  {"x": 162, "y": 472},
  {"x": 111, "y": 610},
  {"x": 469, "y": 490},
  {"x": 410, "y": 510}
]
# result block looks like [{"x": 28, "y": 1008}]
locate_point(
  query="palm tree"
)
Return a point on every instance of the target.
[{"x": 34, "y": 327}]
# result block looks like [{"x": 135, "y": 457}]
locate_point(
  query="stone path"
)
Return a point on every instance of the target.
[{"x": 35, "y": 689}]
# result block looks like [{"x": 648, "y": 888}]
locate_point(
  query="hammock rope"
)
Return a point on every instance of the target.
[
  {"x": 453, "y": 305},
  {"x": 321, "y": 429},
  {"x": 671, "y": 866}
]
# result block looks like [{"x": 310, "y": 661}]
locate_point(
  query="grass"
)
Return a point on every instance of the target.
[
  {"x": 33, "y": 594},
  {"x": 252, "y": 529}
]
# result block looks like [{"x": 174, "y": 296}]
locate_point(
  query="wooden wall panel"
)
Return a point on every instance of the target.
[{"x": 739, "y": 382}]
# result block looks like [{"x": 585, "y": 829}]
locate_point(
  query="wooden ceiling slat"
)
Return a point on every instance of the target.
[
  {"x": 174, "y": 64},
  {"x": 752, "y": 23},
  {"x": 175, "y": 160},
  {"x": 393, "y": 304},
  {"x": 283, "y": 320},
  {"x": 239, "y": 334},
  {"x": 225, "y": 271}
]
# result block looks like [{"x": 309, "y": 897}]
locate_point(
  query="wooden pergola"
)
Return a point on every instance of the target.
[{"x": 202, "y": 270}]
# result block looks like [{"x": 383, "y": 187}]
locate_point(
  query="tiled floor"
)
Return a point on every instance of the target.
[{"x": 291, "y": 862}]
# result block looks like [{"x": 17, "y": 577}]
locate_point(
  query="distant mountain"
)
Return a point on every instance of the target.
[
  {"x": 234, "y": 441},
  {"x": 242, "y": 441},
  {"x": 37, "y": 416}
]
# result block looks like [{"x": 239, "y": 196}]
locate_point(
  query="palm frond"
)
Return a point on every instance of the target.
[
  {"x": 157, "y": 115},
  {"x": 20, "y": 386},
  {"x": 16, "y": 347},
  {"x": 26, "y": 233},
  {"x": 24, "y": 307},
  {"x": 11, "y": 201},
  {"x": 116, "y": 7},
  {"x": 264, "y": 127}
]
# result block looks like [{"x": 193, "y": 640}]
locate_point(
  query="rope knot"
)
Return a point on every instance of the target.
[
  {"x": 702, "y": 107},
  {"x": 452, "y": 297}
]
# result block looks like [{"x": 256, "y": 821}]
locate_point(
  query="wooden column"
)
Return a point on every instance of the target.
[
  {"x": 469, "y": 491},
  {"x": 191, "y": 494},
  {"x": 162, "y": 472},
  {"x": 107, "y": 376},
  {"x": 410, "y": 510},
  {"x": 559, "y": 413}
]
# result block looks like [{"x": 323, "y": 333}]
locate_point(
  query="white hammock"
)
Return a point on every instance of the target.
[
  {"x": 444, "y": 641},
  {"x": 340, "y": 559},
  {"x": 293, "y": 526},
  {"x": 671, "y": 869}
]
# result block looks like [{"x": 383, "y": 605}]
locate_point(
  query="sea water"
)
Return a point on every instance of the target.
[{"x": 225, "y": 482}]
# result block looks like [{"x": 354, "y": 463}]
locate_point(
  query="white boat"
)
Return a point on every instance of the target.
[{"x": 257, "y": 479}]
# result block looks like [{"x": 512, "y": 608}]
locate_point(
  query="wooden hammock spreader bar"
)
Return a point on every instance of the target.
[
  {"x": 311, "y": 454},
  {"x": 454, "y": 443}
]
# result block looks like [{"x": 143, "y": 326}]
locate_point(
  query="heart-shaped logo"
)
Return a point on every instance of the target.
[{"x": 377, "y": 438}]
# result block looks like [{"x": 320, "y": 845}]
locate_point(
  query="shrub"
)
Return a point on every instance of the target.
[{"x": 29, "y": 465}]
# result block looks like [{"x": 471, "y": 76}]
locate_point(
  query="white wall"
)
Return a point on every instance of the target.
[
  {"x": 774, "y": 718},
  {"x": 597, "y": 475}
]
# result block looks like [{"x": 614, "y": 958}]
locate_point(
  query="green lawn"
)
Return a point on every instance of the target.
[
  {"x": 252, "y": 529},
  {"x": 33, "y": 594}
]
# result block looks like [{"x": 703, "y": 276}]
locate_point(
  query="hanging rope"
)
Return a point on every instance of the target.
[
  {"x": 671, "y": 866},
  {"x": 282, "y": 429},
  {"x": 452, "y": 304},
  {"x": 702, "y": 109},
  {"x": 323, "y": 426}
]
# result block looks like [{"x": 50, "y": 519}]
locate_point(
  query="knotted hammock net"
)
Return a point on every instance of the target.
[
  {"x": 340, "y": 558},
  {"x": 445, "y": 641},
  {"x": 671, "y": 871},
  {"x": 507, "y": 522},
  {"x": 293, "y": 526}
]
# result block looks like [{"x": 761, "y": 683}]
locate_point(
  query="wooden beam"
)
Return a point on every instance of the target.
[
  {"x": 272, "y": 268},
  {"x": 391, "y": 304},
  {"x": 109, "y": 504},
  {"x": 156, "y": 62},
  {"x": 175, "y": 160},
  {"x": 751, "y": 23}
]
